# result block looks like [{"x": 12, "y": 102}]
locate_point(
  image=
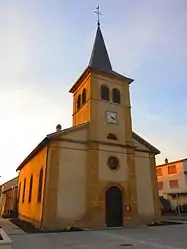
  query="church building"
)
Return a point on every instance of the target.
[{"x": 98, "y": 172}]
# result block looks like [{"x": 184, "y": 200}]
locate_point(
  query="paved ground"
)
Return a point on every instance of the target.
[
  {"x": 10, "y": 228},
  {"x": 161, "y": 237}
]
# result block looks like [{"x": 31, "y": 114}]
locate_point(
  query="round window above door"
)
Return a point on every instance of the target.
[{"x": 113, "y": 163}]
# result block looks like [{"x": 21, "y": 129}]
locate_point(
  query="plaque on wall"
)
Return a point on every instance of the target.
[{"x": 113, "y": 163}]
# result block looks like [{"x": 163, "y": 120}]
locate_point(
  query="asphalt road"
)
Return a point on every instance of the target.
[{"x": 161, "y": 237}]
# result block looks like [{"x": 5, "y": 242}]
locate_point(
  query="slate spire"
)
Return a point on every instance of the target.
[{"x": 99, "y": 58}]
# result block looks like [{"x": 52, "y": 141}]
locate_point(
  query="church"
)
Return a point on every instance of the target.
[{"x": 97, "y": 173}]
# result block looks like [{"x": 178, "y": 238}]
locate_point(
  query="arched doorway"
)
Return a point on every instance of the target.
[{"x": 114, "y": 207}]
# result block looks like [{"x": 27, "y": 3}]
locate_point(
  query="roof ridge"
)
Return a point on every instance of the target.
[{"x": 147, "y": 144}]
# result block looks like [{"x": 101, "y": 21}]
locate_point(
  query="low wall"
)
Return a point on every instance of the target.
[{"x": 5, "y": 241}]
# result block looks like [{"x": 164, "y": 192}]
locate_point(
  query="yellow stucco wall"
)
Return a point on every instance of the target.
[
  {"x": 65, "y": 194},
  {"x": 72, "y": 181},
  {"x": 143, "y": 178},
  {"x": 146, "y": 176},
  {"x": 100, "y": 178},
  {"x": 100, "y": 128},
  {"x": 105, "y": 173},
  {"x": 82, "y": 114},
  {"x": 139, "y": 146},
  {"x": 76, "y": 135},
  {"x": 77, "y": 178},
  {"x": 32, "y": 211}
]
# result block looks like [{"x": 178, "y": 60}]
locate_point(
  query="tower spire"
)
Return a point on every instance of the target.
[{"x": 99, "y": 57}]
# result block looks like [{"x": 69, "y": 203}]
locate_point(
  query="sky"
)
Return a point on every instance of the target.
[{"x": 45, "y": 45}]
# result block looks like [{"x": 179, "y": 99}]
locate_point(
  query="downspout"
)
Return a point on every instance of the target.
[{"x": 44, "y": 186}]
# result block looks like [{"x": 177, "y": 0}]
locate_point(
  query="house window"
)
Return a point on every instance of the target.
[
  {"x": 160, "y": 185},
  {"x": 40, "y": 184},
  {"x": 116, "y": 98},
  {"x": 79, "y": 102},
  {"x": 172, "y": 169},
  {"x": 30, "y": 188},
  {"x": 112, "y": 136},
  {"x": 159, "y": 172},
  {"x": 19, "y": 191},
  {"x": 24, "y": 186},
  {"x": 83, "y": 96},
  {"x": 174, "y": 184},
  {"x": 105, "y": 93}
]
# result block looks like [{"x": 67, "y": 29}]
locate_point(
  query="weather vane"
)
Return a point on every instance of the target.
[{"x": 98, "y": 15}]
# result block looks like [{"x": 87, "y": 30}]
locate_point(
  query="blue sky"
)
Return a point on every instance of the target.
[{"x": 45, "y": 45}]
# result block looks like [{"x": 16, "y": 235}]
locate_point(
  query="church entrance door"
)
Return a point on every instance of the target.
[{"x": 114, "y": 207}]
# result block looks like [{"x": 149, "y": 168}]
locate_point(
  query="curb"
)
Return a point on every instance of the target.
[{"x": 177, "y": 221}]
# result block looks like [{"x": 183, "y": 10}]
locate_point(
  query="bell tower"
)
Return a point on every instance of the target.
[{"x": 101, "y": 97}]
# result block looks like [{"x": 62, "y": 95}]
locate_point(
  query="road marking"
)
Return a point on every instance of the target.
[{"x": 136, "y": 241}]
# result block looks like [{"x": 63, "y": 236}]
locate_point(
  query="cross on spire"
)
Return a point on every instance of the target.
[
  {"x": 99, "y": 58},
  {"x": 98, "y": 15}
]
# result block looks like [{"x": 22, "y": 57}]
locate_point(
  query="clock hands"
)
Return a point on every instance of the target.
[{"x": 111, "y": 117}]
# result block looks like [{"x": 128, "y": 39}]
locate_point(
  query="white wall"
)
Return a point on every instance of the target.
[
  {"x": 180, "y": 176},
  {"x": 72, "y": 181},
  {"x": 144, "y": 184}
]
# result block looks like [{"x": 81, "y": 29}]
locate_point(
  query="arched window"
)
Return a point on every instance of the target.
[
  {"x": 23, "y": 195},
  {"x": 112, "y": 136},
  {"x": 79, "y": 102},
  {"x": 40, "y": 184},
  {"x": 116, "y": 98},
  {"x": 83, "y": 96},
  {"x": 19, "y": 191},
  {"x": 30, "y": 189},
  {"x": 105, "y": 93}
]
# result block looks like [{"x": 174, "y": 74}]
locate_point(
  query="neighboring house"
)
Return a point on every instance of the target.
[
  {"x": 172, "y": 181},
  {"x": 8, "y": 201}
]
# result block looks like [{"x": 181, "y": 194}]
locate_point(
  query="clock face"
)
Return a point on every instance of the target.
[{"x": 111, "y": 117}]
